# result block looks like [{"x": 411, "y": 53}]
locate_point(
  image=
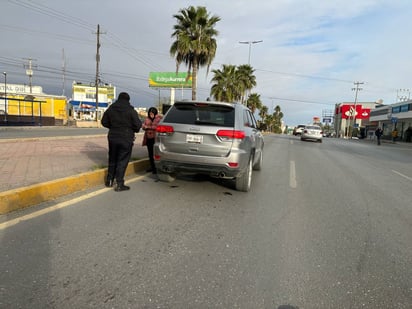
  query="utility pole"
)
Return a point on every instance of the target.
[
  {"x": 5, "y": 96},
  {"x": 354, "y": 113},
  {"x": 64, "y": 72},
  {"x": 29, "y": 71},
  {"x": 97, "y": 70}
]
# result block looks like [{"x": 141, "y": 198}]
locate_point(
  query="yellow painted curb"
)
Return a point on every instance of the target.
[{"x": 33, "y": 195}]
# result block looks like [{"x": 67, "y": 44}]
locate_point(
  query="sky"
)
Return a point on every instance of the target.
[{"x": 311, "y": 55}]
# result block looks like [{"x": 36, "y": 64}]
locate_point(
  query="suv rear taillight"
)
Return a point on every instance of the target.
[
  {"x": 231, "y": 134},
  {"x": 164, "y": 129}
]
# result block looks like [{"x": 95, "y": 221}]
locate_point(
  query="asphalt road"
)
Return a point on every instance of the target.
[{"x": 325, "y": 225}]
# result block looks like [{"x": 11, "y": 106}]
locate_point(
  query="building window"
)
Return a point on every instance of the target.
[
  {"x": 404, "y": 108},
  {"x": 90, "y": 96}
]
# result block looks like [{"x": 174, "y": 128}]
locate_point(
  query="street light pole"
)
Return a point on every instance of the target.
[
  {"x": 400, "y": 98},
  {"x": 5, "y": 96},
  {"x": 356, "y": 89},
  {"x": 250, "y": 46}
]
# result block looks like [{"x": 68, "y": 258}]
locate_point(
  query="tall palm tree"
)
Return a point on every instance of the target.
[
  {"x": 247, "y": 79},
  {"x": 254, "y": 102},
  {"x": 225, "y": 87},
  {"x": 195, "y": 43}
]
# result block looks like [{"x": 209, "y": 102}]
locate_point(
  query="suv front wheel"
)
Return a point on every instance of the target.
[{"x": 244, "y": 181}]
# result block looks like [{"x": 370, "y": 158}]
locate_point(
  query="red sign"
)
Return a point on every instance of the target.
[{"x": 348, "y": 111}]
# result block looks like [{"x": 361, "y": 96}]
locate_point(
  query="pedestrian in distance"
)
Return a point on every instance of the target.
[
  {"x": 149, "y": 126},
  {"x": 394, "y": 135},
  {"x": 408, "y": 135},
  {"x": 123, "y": 122},
  {"x": 378, "y": 133}
]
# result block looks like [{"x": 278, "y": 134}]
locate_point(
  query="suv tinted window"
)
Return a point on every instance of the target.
[
  {"x": 201, "y": 114},
  {"x": 249, "y": 119}
]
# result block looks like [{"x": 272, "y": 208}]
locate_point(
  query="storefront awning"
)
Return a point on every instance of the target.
[{"x": 87, "y": 105}]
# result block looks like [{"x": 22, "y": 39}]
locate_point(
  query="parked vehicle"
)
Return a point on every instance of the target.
[
  {"x": 214, "y": 138},
  {"x": 298, "y": 130},
  {"x": 312, "y": 132}
]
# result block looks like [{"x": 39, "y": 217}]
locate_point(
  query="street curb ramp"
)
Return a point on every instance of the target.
[{"x": 24, "y": 197}]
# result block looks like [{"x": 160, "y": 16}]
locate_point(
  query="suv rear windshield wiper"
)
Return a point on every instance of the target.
[{"x": 207, "y": 123}]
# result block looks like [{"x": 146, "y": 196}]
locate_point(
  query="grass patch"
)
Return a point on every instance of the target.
[
  {"x": 98, "y": 167},
  {"x": 135, "y": 159}
]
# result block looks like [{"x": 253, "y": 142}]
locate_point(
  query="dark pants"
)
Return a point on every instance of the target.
[
  {"x": 120, "y": 151},
  {"x": 379, "y": 139},
  {"x": 150, "y": 143}
]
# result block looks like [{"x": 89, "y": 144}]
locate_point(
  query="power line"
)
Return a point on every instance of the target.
[
  {"x": 305, "y": 75},
  {"x": 45, "y": 10},
  {"x": 297, "y": 100}
]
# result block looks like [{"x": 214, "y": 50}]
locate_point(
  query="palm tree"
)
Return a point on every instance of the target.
[
  {"x": 254, "y": 102},
  {"x": 246, "y": 78},
  {"x": 277, "y": 120},
  {"x": 195, "y": 42},
  {"x": 231, "y": 83},
  {"x": 263, "y": 112},
  {"x": 268, "y": 121},
  {"x": 225, "y": 87}
]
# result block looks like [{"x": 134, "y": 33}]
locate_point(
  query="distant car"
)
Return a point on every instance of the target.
[
  {"x": 214, "y": 138},
  {"x": 298, "y": 130},
  {"x": 312, "y": 132}
]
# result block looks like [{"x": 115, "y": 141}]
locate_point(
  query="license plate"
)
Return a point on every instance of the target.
[{"x": 197, "y": 139}]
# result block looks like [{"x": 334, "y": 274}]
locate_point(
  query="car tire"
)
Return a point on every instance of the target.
[
  {"x": 166, "y": 177},
  {"x": 258, "y": 165},
  {"x": 243, "y": 182}
]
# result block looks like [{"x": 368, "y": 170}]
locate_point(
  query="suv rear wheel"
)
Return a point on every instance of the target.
[{"x": 244, "y": 181}]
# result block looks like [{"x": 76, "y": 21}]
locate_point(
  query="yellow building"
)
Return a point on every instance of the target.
[{"x": 26, "y": 105}]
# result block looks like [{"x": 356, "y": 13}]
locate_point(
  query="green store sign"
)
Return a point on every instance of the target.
[{"x": 169, "y": 80}]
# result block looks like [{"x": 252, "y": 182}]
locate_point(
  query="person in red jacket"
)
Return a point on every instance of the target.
[{"x": 149, "y": 126}]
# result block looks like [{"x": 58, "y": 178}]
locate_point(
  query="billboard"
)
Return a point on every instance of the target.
[
  {"x": 169, "y": 80},
  {"x": 348, "y": 111}
]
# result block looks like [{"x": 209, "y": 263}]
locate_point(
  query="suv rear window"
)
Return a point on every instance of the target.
[{"x": 201, "y": 114}]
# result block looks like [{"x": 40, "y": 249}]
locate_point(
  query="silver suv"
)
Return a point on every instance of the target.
[{"x": 214, "y": 138}]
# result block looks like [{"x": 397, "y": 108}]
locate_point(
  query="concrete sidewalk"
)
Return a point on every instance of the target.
[{"x": 34, "y": 170}]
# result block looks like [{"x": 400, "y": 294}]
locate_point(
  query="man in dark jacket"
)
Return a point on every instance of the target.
[
  {"x": 123, "y": 122},
  {"x": 379, "y": 133}
]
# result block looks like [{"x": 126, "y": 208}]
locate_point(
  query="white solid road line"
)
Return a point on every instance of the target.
[
  {"x": 404, "y": 176},
  {"x": 41, "y": 212},
  {"x": 292, "y": 175}
]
